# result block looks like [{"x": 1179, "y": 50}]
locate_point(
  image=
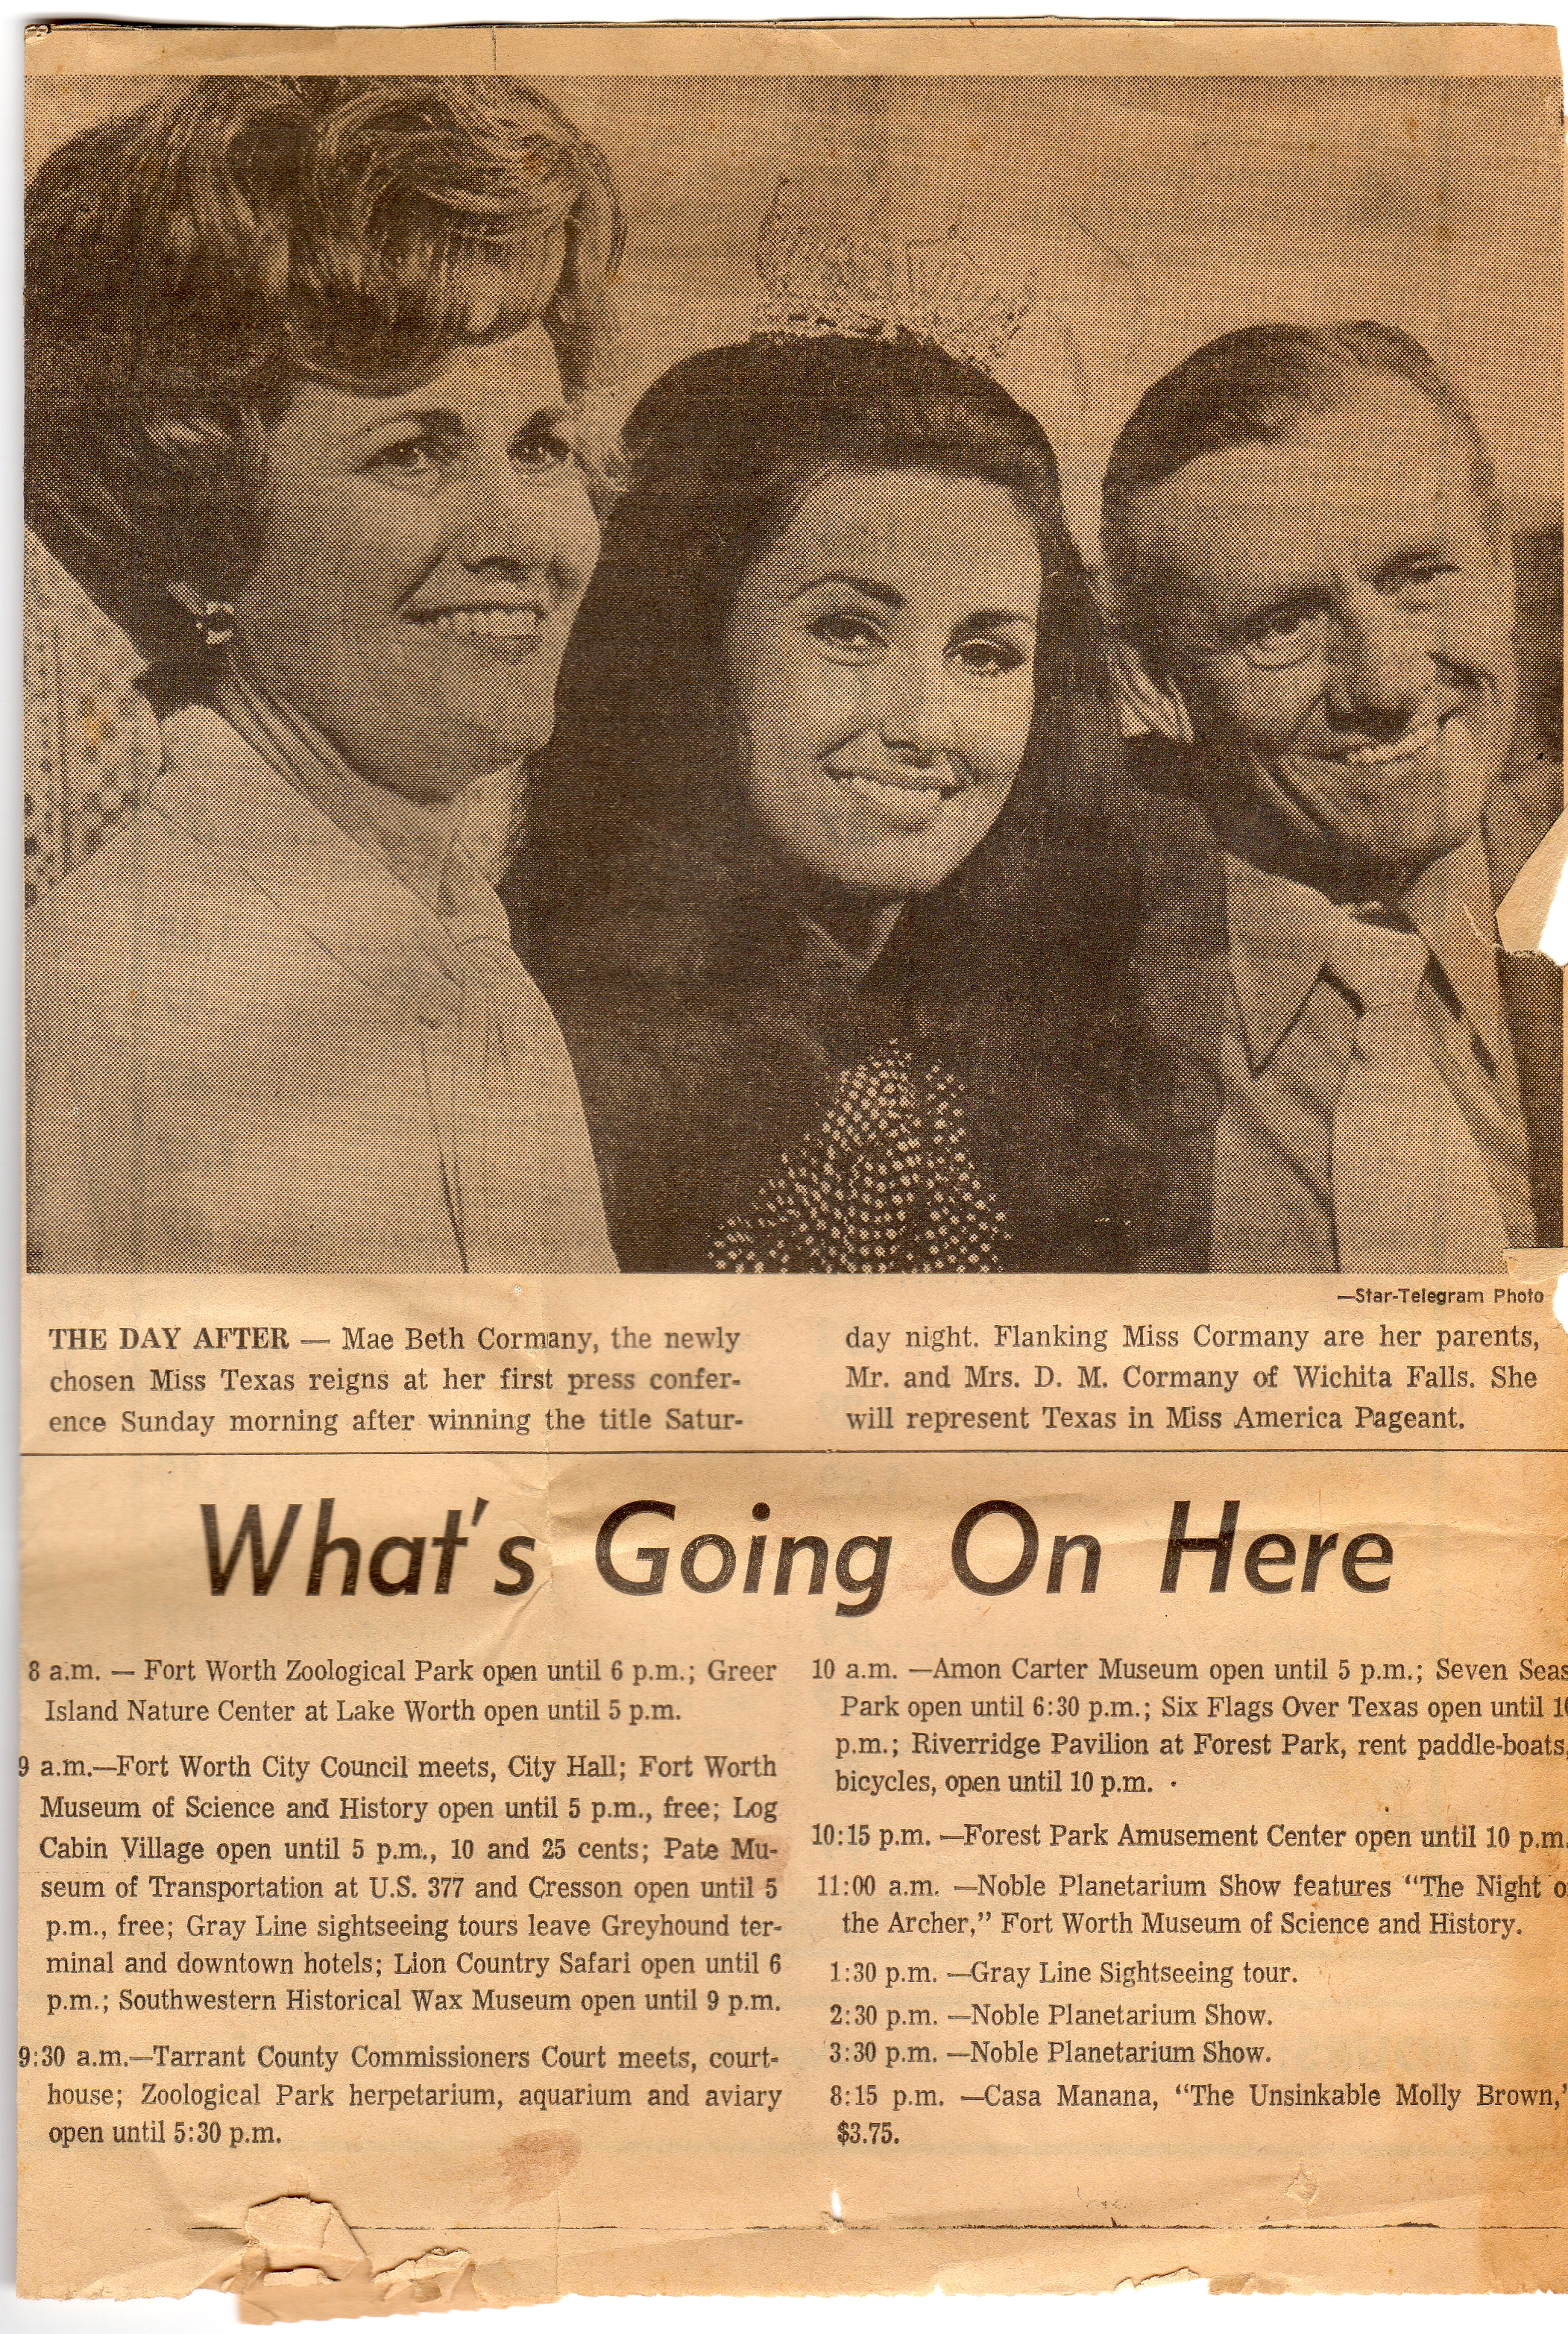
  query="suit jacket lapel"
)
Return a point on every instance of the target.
[{"x": 1532, "y": 989}]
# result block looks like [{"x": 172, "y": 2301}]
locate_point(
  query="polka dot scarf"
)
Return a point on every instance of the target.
[{"x": 885, "y": 1184}]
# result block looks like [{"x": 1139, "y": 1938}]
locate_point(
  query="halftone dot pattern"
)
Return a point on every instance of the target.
[{"x": 885, "y": 1183}]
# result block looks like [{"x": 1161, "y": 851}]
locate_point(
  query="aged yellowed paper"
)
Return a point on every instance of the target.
[{"x": 791, "y": 1422}]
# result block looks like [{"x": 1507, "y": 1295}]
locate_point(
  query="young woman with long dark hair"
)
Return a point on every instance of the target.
[{"x": 818, "y": 878}]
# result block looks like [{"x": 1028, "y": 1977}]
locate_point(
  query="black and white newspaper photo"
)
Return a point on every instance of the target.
[{"x": 791, "y": 802}]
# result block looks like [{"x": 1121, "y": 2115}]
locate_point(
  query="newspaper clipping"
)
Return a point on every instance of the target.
[{"x": 792, "y": 1425}]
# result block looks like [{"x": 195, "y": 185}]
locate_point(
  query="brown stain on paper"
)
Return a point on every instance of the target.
[{"x": 537, "y": 2162}]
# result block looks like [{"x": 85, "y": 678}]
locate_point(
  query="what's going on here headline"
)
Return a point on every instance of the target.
[{"x": 709, "y": 1562}]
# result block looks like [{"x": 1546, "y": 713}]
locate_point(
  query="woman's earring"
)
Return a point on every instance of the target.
[{"x": 214, "y": 618}]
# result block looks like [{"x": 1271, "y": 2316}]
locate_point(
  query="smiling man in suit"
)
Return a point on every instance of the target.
[{"x": 1315, "y": 605}]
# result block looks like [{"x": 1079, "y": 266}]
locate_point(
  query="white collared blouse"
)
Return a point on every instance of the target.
[{"x": 253, "y": 1048}]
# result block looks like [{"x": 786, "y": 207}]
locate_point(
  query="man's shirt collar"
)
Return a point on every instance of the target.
[{"x": 1280, "y": 935}]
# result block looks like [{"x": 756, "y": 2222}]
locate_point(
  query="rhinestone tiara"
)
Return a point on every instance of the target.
[{"x": 815, "y": 284}]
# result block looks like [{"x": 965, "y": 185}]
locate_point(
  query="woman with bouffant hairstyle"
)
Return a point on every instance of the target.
[
  {"x": 818, "y": 877},
  {"x": 305, "y": 359}
]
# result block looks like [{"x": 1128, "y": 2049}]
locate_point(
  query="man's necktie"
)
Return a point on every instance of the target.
[{"x": 1409, "y": 1187}]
